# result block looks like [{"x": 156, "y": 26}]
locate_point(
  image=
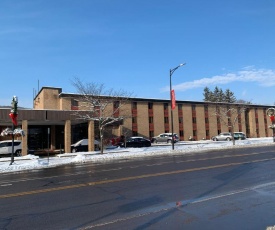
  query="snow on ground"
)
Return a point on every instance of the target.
[{"x": 31, "y": 162}]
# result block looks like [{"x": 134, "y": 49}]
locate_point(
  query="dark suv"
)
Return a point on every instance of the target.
[{"x": 239, "y": 136}]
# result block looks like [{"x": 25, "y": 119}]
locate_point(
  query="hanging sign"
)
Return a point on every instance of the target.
[{"x": 173, "y": 97}]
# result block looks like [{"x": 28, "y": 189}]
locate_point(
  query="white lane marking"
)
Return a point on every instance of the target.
[
  {"x": 179, "y": 204},
  {"x": 5, "y": 185}
]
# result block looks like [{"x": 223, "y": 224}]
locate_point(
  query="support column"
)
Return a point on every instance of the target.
[
  {"x": 67, "y": 136},
  {"x": 25, "y": 138},
  {"x": 91, "y": 136}
]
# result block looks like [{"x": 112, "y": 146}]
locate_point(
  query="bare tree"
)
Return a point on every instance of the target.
[
  {"x": 230, "y": 115},
  {"x": 102, "y": 105}
]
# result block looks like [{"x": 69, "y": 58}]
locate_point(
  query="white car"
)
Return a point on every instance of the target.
[
  {"x": 82, "y": 146},
  {"x": 166, "y": 138},
  {"x": 6, "y": 147},
  {"x": 222, "y": 137}
]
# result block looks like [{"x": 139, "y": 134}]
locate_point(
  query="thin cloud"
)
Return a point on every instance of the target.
[{"x": 264, "y": 77}]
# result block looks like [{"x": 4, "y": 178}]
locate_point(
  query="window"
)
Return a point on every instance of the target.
[
  {"x": 134, "y": 105},
  {"x": 206, "y": 108},
  {"x": 134, "y": 120},
  {"x": 180, "y": 120},
  {"x": 165, "y": 106},
  {"x": 206, "y": 120},
  {"x": 194, "y": 120},
  {"x": 239, "y": 119},
  {"x": 180, "y": 106},
  {"x": 74, "y": 102},
  {"x": 207, "y": 132},
  {"x": 166, "y": 120},
  {"x": 150, "y": 105},
  {"x": 194, "y": 133},
  {"x": 4, "y": 144},
  {"x": 193, "y": 107},
  {"x": 116, "y": 104},
  {"x": 151, "y": 120}
]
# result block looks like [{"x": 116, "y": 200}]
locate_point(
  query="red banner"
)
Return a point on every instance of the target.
[
  {"x": 173, "y": 97},
  {"x": 13, "y": 118}
]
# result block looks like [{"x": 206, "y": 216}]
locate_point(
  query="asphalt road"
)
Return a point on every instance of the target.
[{"x": 226, "y": 189}]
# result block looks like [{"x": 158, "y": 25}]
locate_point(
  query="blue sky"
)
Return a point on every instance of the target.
[{"x": 132, "y": 45}]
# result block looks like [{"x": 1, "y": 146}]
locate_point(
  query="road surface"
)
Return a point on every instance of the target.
[{"x": 226, "y": 189}]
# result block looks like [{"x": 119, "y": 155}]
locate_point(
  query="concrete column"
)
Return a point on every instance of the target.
[
  {"x": 53, "y": 143},
  {"x": 25, "y": 138},
  {"x": 91, "y": 136},
  {"x": 67, "y": 136}
]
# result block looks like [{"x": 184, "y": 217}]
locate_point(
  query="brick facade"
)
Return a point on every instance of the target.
[{"x": 150, "y": 117}]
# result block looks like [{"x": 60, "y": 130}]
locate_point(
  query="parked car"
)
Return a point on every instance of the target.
[
  {"x": 136, "y": 142},
  {"x": 165, "y": 137},
  {"x": 82, "y": 146},
  {"x": 239, "y": 136},
  {"x": 6, "y": 147},
  {"x": 228, "y": 137},
  {"x": 222, "y": 137}
]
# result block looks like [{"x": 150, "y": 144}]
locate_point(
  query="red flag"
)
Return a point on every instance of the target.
[
  {"x": 13, "y": 118},
  {"x": 173, "y": 99}
]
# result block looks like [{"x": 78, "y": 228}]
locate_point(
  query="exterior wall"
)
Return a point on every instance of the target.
[
  {"x": 126, "y": 128},
  {"x": 243, "y": 122},
  {"x": 65, "y": 104},
  {"x": 175, "y": 120},
  {"x": 200, "y": 118},
  {"x": 213, "y": 126},
  {"x": 224, "y": 122},
  {"x": 187, "y": 121},
  {"x": 261, "y": 123},
  {"x": 143, "y": 119},
  {"x": 48, "y": 98},
  {"x": 158, "y": 118},
  {"x": 252, "y": 123}
]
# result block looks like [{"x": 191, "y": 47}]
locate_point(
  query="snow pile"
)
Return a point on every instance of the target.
[{"x": 31, "y": 162}]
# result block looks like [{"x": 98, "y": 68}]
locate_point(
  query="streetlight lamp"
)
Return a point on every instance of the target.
[{"x": 172, "y": 100}]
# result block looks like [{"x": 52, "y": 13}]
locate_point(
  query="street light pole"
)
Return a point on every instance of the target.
[{"x": 172, "y": 122}]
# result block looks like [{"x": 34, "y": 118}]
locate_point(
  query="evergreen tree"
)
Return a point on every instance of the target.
[
  {"x": 221, "y": 96},
  {"x": 207, "y": 94},
  {"x": 217, "y": 95},
  {"x": 229, "y": 96}
]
